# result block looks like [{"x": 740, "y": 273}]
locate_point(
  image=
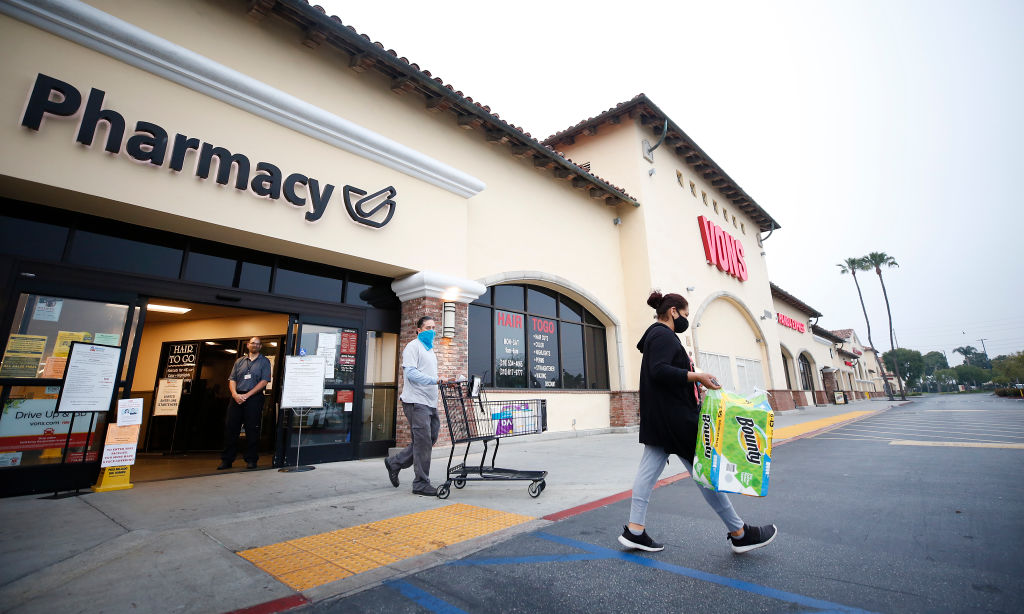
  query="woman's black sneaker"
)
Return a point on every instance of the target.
[
  {"x": 753, "y": 537},
  {"x": 639, "y": 542}
]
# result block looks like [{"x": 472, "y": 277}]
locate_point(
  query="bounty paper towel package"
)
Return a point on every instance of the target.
[{"x": 734, "y": 443}]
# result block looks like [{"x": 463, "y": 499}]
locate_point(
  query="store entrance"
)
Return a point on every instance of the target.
[{"x": 186, "y": 354}]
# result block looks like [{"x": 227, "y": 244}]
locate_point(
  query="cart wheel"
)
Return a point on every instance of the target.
[
  {"x": 442, "y": 492},
  {"x": 536, "y": 488},
  {"x": 460, "y": 483}
]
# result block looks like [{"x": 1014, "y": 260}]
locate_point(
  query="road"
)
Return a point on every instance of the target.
[{"x": 916, "y": 509}]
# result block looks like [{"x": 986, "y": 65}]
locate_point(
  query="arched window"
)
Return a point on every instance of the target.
[
  {"x": 785, "y": 369},
  {"x": 806, "y": 376},
  {"x": 523, "y": 336}
]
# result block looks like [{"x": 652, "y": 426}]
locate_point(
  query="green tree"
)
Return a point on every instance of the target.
[
  {"x": 851, "y": 266},
  {"x": 933, "y": 361},
  {"x": 969, "y": 375},
  {"x": 908, "y": 362},
  {"x": 1009, "y": 369},
  {"x": 945, "y": 377},
  {"x": 877, "y": 260}
]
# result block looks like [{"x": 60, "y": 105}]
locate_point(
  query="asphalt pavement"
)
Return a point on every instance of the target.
[{"x": 173, "y": 546}]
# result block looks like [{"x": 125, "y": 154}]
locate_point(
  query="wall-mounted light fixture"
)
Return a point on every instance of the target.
[
  {"x": 691, "y": 288},
  {"x": 448, "y": 321},
  {"x": 767, "y": 315}
]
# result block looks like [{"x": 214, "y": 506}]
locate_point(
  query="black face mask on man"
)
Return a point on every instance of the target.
[{"x": 680, "y": 324}]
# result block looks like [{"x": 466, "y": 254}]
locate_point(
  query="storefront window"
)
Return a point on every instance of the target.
[
  {"x": 318, "y": 287},
  {"x": 210, "y": 269},
  {"x": 806, "y": 376},
  {"x": 381, "y": 386},
  {"x": 542, "y": 302},
  {"x": 33, "y": 433},
  {"x": 572, "y": 356},
  {"x": 509, "y": 297},
  {"x": 105, "y": 251},
  {"x": 480, "y": 356},
  {"x": 513, "y": 347},
  {"x": 331, "y": 424},
  {"x": 254, "y": 276},
  {"x": 31, "y": 239},
  {"x": 45, "y": 326}
]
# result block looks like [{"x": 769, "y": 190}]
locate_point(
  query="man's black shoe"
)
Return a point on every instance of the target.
[
  {"x": 392, "y": 473},
  {"x": 426, "y": 491},
  {"x": 753, "y": 537},
  {"x": 251, "y": 465},
  {"x": 224, "y": 465},
  {"x": 639, "y": 542}
]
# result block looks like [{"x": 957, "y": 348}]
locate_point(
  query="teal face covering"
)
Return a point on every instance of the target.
[{"x": 427, "y": 338}]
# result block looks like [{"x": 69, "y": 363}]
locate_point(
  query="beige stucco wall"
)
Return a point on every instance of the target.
[
  {"x": 666, "y": 252},
  {"x": 796, "y": 343}
]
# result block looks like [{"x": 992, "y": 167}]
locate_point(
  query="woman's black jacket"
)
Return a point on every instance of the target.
[{"x": 668, "y": 402}]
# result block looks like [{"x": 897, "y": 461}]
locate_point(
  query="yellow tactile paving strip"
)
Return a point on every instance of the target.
[
  {"x": 788, "y": 432},
  {"x": 318, "y": 559}
]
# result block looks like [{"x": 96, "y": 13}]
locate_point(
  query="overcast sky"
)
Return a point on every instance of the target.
[{"x": 862, "y": 126}]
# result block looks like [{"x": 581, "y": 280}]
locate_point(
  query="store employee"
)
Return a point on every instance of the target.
[{"x": 249, "y": 377}]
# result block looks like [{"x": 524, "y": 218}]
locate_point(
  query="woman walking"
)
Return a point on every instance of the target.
[{"x": 668, "y": 425}]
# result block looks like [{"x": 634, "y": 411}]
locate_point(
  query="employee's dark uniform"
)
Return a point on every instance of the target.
[{"x": 246, "y": 374}]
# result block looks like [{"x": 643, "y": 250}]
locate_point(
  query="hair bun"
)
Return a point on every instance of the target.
[{"x": 654, "y": 300}]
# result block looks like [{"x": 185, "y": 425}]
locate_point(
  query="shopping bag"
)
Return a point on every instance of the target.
[{"x": 734, "y": 443}]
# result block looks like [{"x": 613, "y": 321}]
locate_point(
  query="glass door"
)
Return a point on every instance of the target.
[{"x": 332, "y": 432}]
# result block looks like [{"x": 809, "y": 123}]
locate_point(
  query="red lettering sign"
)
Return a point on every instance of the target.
[
  {"x": 791, "y": 323},
  {"x": 722, "y": 249}
]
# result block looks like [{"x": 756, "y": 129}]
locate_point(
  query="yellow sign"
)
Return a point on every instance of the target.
[
  {"x": 64, "y": 339},
  {"x": 114, "y": 478},
  {"x": 21, "y": 359}
]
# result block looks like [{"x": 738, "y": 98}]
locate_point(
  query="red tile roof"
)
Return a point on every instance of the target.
[
  {"x": 656, "y": 119},
  {"x": 407, "y": 77}
]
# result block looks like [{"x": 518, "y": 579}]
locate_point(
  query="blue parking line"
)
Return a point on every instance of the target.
[
  {"x": 423, "y": 598},
  {"x": 600, "y": 553}
]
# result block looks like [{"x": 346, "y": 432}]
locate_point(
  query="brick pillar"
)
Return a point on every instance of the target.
[
  {"x": 829, "y": 379},
  {"x": 625, "y": 408},
  {"x": 452, "y": 356}
]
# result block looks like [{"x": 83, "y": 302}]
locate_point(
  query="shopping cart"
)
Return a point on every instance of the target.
[{"x": 472, "y": 418}]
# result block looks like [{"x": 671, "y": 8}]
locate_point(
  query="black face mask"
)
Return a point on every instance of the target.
[{"x": 680, "y": 324}]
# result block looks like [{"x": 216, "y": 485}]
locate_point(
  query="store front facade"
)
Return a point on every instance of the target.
[{"x": 277, "y": 174}]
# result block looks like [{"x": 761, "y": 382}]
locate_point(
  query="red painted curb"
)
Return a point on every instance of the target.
[
  {"x": 271, "y": 607},
  {"x": 626, "y": 494}
]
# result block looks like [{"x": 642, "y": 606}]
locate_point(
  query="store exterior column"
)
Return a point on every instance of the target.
[{"x": 424, "y": 294}]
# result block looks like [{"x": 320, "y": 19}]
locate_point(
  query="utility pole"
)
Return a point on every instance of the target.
[{"x": 983, "y": 347}]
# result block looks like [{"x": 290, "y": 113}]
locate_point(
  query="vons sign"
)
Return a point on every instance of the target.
[
  {"x": 722, "y": 250},
  {"x": 151, "y": 144}
]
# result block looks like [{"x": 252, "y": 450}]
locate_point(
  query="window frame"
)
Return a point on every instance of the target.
[{"x": 586, "y": 322}]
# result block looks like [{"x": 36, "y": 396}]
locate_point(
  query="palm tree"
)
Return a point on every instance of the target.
[
  {"x": 966, "y": 351},
  {"x": 851, "y": 266},
  {"x": 878, "y": 260}
]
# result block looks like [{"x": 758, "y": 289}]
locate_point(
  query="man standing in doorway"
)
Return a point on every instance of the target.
[
  {"x": 419, "y": 402},
  {"x": 249, "y": 377}
]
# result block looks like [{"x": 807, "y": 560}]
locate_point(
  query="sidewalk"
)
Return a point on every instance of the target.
[{"x": 172, "y": 546}]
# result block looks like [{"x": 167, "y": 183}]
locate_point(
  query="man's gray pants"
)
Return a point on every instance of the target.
[{"x": 425, "y": 426}]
